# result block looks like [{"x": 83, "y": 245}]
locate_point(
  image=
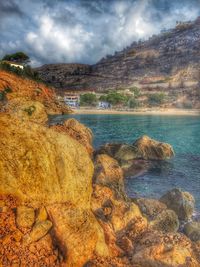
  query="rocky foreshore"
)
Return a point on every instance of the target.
[{"x": 61, "y": 204}]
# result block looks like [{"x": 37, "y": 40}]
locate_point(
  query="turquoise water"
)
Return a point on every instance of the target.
[{"x": 182, "y": 132}]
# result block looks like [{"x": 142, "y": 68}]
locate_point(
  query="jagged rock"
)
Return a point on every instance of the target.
[
  {"x": 109, "y": 149},
  {"x": 162, "y": 250},
  {"x": 123, "y": 213},
  {"x": 192, "y": 230},
  {"x": 166, "y": 221},
  {"x": 136, "y": 158},
  {"x": 150, "y": 149},
  {"x": 25, "y": 216},
  {"x": 40, "y": 229},
  {"x": 151, "y": 208},
  {"x": 78, "y": 233},
  {"x": 78, "y": 131},
  {"x": 108, "y": 172},
  {"x": 181, "y": 202},
  {"x": 42, "y": 214},
  {"x": 126, "y": 153},
  {"x": 133, "y": 230}
]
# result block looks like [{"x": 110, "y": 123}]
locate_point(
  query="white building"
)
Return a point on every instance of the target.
[
  {"x": 14, "y": 64},
  {"x": 72, "y": 100}
]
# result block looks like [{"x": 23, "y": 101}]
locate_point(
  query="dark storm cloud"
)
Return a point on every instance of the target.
[
  {"x": 84, "y": 30},
  {"x": 9, "y": 8}
]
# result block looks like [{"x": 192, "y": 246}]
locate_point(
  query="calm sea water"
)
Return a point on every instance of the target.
[{"x": 182, "y": 132}]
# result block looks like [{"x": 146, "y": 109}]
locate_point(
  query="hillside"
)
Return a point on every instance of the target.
[
  {"x": 16, "y": 91},
  {"x": 166, "y": 62}
]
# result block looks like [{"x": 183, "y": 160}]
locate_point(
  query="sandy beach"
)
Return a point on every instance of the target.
[{"x": 166, "y": 112}]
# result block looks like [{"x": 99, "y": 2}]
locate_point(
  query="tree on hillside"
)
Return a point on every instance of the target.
[
  {"x": 19, "y": 57},
  {"x": 88, "y": 99},
  {"x": 156, "y": 99}
]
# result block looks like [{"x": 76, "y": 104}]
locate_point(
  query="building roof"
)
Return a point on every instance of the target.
[{"x": 13, "y": 62}]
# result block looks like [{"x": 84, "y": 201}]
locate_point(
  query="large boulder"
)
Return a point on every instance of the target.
[
  {"x": 77, "y": 131},
  {"x": 157, "y": 249},
  {"x": 40, "y": 167},
  {"x": 150, "y": 208},
  {"x": 166, "y": 221},
  {"x": 150, "y": 149},
  {"x": 192, "y": 230},
  {"x": 159, "y": 217},
  {"x": 180, "y": 202}
]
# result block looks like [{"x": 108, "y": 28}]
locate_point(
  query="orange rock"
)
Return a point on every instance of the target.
[
  {"x": 77, "y": 131},
  {"x": 31, "y": 91},
  {"x": 107, "y": 171}
]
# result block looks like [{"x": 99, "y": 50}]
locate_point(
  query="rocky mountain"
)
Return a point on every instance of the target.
[{"x": 168, "y": 59}]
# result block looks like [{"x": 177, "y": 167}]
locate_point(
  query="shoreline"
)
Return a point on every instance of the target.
[{"x": 164, "y": 112}]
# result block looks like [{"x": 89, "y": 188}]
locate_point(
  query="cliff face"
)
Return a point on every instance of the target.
[{"x": 161, "y": 56}]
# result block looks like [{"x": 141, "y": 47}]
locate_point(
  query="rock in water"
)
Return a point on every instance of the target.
[
  {"x": 180, "y": 202},
  {"x": 150, "y": 149},
  {"x": 192, "y": 230},
  {"x": 41, "y": 167}
]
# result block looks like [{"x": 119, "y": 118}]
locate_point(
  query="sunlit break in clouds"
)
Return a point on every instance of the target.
[{"x": 84, "y": 30}]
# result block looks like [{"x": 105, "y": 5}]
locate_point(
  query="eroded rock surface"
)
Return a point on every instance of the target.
[
  {"x": 78, "y": 132},
  {"x": 181, "y": 202},
  {"x": 40, "y": 167}
]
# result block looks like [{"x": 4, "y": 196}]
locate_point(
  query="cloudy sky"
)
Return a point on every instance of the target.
[{"x": 84, "y": 31}]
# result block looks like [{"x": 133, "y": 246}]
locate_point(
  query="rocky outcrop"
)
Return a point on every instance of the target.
[
  {"x": 139, "y": 156},
  {"x": 21, "y": 92},
  {"x": 150, "y": 149},
  {"x": 28, "y": 110},
  {"x": 192, "y": 230},
  {"x": 166, "y": 221},
  {"x": 181, "y": 202},
  {"x": 109, "y": 173},
  {"x": 58, "y": 208},
  {"x": 77, "y": 131},
  {"x": 163, "y": 250},
  {"x": 50, "y": 170}
]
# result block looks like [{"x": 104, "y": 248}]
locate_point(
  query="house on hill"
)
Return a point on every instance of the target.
[{"x": 14, "y": 64}]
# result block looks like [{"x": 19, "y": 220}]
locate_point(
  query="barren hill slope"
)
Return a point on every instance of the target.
[{"x": 170, "y": 58}]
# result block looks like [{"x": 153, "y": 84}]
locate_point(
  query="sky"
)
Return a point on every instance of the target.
[{"x": 84, "y": 31}]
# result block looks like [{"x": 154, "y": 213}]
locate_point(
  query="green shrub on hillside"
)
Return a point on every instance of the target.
[
  {"x": 136, "y": 91},
  {"x": 88, "y": 99},
  {"x": 4, "y": 93},
  {"x": 156, "y": 99},
  {"x": 27, "y": 71},
  {"x": 133, "y": 103},
  {"x": 114, "y": 98}
]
